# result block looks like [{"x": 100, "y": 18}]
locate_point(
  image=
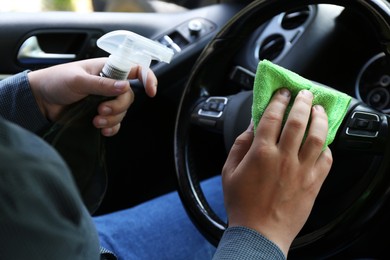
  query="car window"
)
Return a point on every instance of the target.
[{"x": 102, "y": 5}]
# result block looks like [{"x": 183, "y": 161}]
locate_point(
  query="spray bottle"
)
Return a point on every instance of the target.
[
  {"x": 81, "y": 144},
  {"x": 128, "y": 49}
]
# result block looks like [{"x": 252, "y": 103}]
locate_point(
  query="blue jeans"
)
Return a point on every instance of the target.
[{"x": 160, "y": 228}]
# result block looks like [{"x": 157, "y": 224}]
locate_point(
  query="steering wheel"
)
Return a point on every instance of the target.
[{"x": 358, "y": 183}]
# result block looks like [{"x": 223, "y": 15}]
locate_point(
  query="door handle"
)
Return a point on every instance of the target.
[{"x": 30, "y": 49}]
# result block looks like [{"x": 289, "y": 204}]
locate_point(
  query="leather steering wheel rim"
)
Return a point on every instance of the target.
[{"x": 227, "y": 41}]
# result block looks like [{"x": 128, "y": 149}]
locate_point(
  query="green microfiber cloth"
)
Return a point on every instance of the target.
[{"x": 271, "y": 77}]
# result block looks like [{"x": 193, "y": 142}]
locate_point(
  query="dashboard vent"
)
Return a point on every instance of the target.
[
  {"x": 295, "y": 18},
  {"x": 282, "y": 32},
  {"x": 271, "y": 47}
]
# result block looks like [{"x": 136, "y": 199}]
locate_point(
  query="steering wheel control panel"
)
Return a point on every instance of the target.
[
  {"x": 209, "y": 113},
  {"x": 364, "y": 124},
  {"x": 365, "y": 130}
]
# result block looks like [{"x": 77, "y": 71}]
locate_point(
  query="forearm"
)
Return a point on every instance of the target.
[
  {"x": 17, "y": 103},
  {"x": 244, "y": 243}
]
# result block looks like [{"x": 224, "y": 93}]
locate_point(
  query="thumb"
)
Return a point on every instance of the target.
[{"x": 239, "y": 149}]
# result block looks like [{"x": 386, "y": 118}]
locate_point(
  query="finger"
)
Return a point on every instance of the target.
[
  {"x": 117, "y": 105},
  {"x": 239, "y": 150},
  {"x": 101, "y": 86},
  {"x": 323, "y": 166},
  {"x": 151, "y": 84},
  {"x": 121, "y": 86},
  {"x": 112, "y": 112},
  {"x": 93, "y": 66},
  {"x": 110, "y": 131},
  {"x": 271, "y": 122},
  {"x": 151, "y": 80},
  {"x": 135, "y": 72},
  {"x": 316, "y": 136},
  {"x": 296, "y": 123},
  {"x": 108, "y": 121}
]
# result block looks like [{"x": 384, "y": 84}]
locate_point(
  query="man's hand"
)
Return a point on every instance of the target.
[
  {"x": 272, "y": 177},
  {"x": 56, "y": 87}
]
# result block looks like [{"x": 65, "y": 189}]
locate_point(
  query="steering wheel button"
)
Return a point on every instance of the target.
[
  {"x": 354, "y": 144},
  {"x": 206, "y": 107},
  {"x": 221, "y": 106},
  {"x": 207, "y": 122},
  {"x": 361, "y": 133},
  {"x": 361, "y": 123},
  {"x": 213, "y": 106},
  {"x": 242, "y": 76}
]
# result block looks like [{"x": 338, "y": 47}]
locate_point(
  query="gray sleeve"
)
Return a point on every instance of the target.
[
  {"x": 41, "y": 213},
  {"x": 246, "y": 244},
  {"x": 17, "y": 103}
]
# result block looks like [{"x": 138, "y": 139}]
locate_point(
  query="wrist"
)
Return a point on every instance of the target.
[{"x": 33, "y": 79}]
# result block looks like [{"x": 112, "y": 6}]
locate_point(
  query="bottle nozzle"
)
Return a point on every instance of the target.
[{"x": 128, "y": 49}]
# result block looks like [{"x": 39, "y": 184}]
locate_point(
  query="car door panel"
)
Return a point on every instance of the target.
[
  {"x": 76, "y": 33},
  {"x": 146, "y": 131}
]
